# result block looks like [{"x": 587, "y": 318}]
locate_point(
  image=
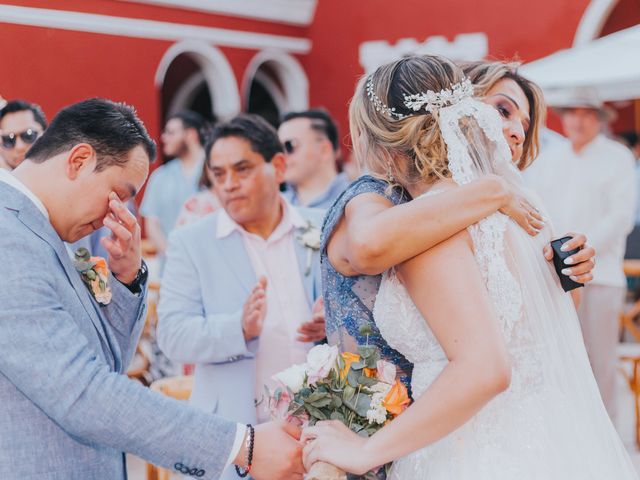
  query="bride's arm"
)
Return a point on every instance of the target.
[
  {"x": 447, "y": 287},
  {"x": 374, "y": 235}
]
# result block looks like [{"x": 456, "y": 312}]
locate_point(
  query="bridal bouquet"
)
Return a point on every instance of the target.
[{"x": 358, "y": 389}]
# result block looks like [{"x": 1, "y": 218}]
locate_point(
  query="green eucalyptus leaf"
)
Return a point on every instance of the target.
[
  {"x": 357, "y": 366},
  {"x": 366, "y": 381},
  {"x": 367, "y": 350},
  {"x": 323, "y": 402},
  {"x": 315, "y": 412},
  {"x": 348, "y": 393},
  {"x": 352, "y": 378},
  {"x": 337, "y": 416}
]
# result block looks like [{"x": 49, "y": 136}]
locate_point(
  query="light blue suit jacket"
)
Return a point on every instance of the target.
[
  {"x": 204, "y": 286},
  {"x": 67, "y": 411}
]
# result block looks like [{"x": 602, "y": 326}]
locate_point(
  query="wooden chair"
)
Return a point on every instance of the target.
[
  {"x": 175, "y": 387},
  {"x": 629, "y": 352}
]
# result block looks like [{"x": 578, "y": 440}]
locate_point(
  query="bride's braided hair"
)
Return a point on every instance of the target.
[{"x": 400, "y": 144}]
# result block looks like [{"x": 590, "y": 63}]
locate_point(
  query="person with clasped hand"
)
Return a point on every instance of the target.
[{"x": 68, "y": 409}]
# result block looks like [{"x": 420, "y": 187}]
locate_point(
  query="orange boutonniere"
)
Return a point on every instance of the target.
[{"x": 95, "y": 275}]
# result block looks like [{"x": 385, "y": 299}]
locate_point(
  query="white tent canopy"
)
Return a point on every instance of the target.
[{"x": 609, "y": 64}]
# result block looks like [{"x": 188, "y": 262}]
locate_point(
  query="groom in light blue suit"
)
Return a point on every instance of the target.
[
  {"x": 68, "y": 412},
  {"x": 240, "y": 285}
]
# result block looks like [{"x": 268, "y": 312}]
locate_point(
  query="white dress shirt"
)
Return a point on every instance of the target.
[
  {"x": 591, "y": 192},
  {"x": 287, "y": 303}
]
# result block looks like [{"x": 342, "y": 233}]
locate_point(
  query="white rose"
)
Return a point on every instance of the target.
[
  {"x": 320, "y": 360},
  {"x": 292, "y": 377},
  {"x": 311, "y": 238}
]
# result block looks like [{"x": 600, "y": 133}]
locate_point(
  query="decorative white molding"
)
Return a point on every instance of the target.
[
  {"x": 274, "y": 90},
  {"x": 295, "y": 12},
  {"x": 223, "y": 87},
  {"x": 592, "y": 21},
  {"x": 186, "y": 93},
  {"x": 150, "y": 29},
  {"x": 291, "y": 75},
  {"x": 466, "y": 46}
]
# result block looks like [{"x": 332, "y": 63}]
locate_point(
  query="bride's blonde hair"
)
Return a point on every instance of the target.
[{"x": 410, "y": 149}]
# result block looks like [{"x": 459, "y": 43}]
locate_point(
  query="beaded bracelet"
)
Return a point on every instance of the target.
[{"x": 249, "y": 444}]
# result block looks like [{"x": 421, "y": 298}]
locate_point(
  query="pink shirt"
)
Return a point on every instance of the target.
[{"x": 287, "y": 304}]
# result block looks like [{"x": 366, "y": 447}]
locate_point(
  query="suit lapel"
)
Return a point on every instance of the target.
[
  {"x": 234, "y": 254},
  {"x": 38, "y": 224}
]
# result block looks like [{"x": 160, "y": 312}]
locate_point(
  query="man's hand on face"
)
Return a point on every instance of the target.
[
  {"x": 313, "y": 330},
  {"x": 254, "y": 310},
  {"x": 579, "y": 267},
  {"x": 124, "y": 245}
]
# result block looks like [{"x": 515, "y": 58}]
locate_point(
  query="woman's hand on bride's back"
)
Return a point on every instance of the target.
[
  {"x": 521, "y": 211},
  {"x": 332, "y": 442}
]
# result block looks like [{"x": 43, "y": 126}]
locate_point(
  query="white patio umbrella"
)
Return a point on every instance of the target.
[{"x": 610, "y": 64}]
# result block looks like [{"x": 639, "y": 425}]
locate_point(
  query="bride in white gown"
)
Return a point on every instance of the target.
[{"x": 502, "y": 384}]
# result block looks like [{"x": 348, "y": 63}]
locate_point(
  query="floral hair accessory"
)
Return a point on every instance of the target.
[
  {"x": 430, "y": 101},
  {"x": 95, "y": 275}
]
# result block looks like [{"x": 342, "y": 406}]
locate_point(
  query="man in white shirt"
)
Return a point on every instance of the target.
[
  {"x": 588, "y": 185},
  {"x": 240, "y": 288}
]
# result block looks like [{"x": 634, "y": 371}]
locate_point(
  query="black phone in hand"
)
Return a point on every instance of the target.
[{"x": 558, "y": 262}]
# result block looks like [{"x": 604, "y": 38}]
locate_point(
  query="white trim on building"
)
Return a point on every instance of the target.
[
  {"x": 225, "y": 97},
  {"x": 295, "y": 12},
  {"x": 592, "y": 21},
  {"x": 149, "y": 29},
  {"x": 291, "y": 75},
  {"x": 465, "y": 47}
]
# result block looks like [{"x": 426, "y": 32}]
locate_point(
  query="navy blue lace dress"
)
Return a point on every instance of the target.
[{"x": 349, "y": 300}]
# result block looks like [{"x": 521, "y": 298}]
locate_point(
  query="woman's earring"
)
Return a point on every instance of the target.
[{"x": 390, "y": 178}]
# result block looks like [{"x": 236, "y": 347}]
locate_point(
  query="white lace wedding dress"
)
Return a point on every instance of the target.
[{"x": 550, "y": 424}]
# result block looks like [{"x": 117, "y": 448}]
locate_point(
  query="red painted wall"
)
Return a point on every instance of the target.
[{"x": 515, "y": 28}]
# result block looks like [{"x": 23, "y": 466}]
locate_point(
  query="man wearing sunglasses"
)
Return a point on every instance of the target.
[
  {"x": 21, "y": 123},
  {"x": 311, "y": 146}
]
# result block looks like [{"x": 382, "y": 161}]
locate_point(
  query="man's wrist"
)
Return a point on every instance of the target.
[{"x": 136, "y": 282}]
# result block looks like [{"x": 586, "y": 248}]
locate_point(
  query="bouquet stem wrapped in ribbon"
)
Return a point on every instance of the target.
[{"x": 358, "y": 389}]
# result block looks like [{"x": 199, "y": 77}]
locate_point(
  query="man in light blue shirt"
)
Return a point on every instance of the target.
[
  {"x": 311, "y": 146},
  {"x": 172, "y": 183}
]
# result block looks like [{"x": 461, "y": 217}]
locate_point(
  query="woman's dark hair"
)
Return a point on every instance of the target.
[
  {"x": 112, "y": 129},
  {"x": 252, "y": 128}
]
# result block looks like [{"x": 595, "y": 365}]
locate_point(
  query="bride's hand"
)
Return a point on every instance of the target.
[
  {"x": 332, "y": 442},
  {"x": 522, "y": 212}
]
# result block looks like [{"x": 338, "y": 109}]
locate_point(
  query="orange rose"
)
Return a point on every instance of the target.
[
  {"x": 100, "y": 266},
  {"x": 348, "y": 358},
  {"x": 397, "y": 400},
  {"x": 370, "y": 372}
]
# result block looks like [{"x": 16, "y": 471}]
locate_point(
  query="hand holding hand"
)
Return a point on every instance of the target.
[
  {"x": 522, "y": 212},
  {"x": 124, "y": 245},
  {"x": 579, "y": 266},
  {"x": 254, "y": 310},
  {"x": 277, "y": 453},
  {"x": 313, "y": 330},
  {"x": 332, "y": 442}
]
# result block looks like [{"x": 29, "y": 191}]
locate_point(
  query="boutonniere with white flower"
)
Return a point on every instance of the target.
[
  {"x": 94, "y": 273},
  {"x": 309, "y": 237}
]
